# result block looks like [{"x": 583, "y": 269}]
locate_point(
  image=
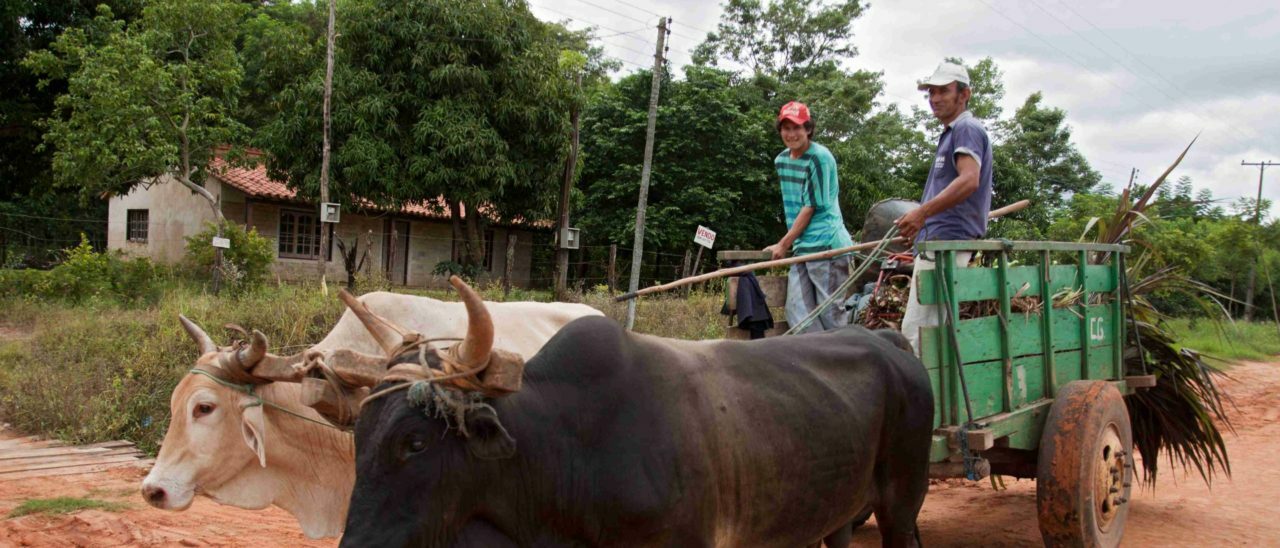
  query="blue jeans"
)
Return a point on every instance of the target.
[{"x": 811, "y": 283}]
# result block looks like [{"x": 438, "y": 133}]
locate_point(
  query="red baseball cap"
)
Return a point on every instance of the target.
[{"x": 795, "y": 111}]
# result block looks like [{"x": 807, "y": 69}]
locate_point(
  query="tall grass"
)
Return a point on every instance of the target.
[
  {"x": 1228, "y": 341},
  {"x": 100, "y": 370}
]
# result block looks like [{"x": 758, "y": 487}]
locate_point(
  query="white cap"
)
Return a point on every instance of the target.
[{"x": 943, "y": 75}]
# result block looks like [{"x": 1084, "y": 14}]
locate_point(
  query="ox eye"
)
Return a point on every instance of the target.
[
  {"x": 414, "y": 446},
  {"x": 202, "y": 409}
]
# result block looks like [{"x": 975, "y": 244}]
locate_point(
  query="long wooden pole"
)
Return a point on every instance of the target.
[
  {"x": 1016, "y": 206},
  {"x": 637, "y": 249},
  {"x": 570, "y": 168},
  {"x": 322, "y": 260}
]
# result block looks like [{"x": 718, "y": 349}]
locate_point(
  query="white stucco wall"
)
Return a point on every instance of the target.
[{"x": 174, "y": 211}]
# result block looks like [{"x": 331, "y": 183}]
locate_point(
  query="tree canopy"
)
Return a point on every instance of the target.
[
  {"x": 149, "y": 99},
  {"x": 460, "y": 100}
]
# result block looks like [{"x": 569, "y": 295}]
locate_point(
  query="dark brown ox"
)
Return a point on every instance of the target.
[{"x": 625, "y": 439}]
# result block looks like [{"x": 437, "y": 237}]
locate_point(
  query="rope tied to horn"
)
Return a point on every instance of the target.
[{"x": 453, "y": 373}]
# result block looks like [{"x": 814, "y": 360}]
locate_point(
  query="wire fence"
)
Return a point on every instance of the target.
[{"x": 39, "y": 241}]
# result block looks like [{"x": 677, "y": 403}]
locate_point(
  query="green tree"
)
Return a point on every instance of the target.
[
  {"x": 460, "y": 100},
  {"x": 785, "y": 38},
  {"x": 27, "y": 26},
  {"x": 713, "y": 163},
  {"x": 151, "y": 100},
  {"x": 1036, "y": 160},
  {"x": 26, "y": 172},
  {"x": 278, "y": 44}
]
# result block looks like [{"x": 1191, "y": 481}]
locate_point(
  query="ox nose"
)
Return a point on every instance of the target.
[{"x": 155, "y": 495}]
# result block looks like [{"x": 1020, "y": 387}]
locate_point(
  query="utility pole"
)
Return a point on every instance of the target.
[
  {"x": 1257, "y": 220},
  {"x": 638, "y": 247},
  {"x": 1133, "y": 174},
  {"x": 570, "y": 167},
  {"x": 324, "y": 154}
]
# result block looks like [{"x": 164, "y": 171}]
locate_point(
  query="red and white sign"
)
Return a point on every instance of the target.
[{"x": 704, "y": 237}]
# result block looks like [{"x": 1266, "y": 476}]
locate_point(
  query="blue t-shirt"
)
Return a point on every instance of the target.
[{"x": 966, "y": 220}]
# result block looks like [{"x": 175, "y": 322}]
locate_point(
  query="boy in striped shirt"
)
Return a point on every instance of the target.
[{"x": 810, "y": 199}]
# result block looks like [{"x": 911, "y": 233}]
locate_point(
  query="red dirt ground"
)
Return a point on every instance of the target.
[{"x": 1181, "y": 511}]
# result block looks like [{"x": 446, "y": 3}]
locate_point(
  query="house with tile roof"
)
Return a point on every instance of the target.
[{"x": 405, "y": 244}]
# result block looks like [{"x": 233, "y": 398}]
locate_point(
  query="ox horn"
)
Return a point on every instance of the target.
[
  {"x": 389, "y": 336},
  {"x": 474, "y": 349},
  {"x": 253, "y": 364},
  {"x": 198, "y": 335}
]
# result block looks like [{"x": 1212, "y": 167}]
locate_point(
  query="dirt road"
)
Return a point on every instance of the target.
[{"x": 1180, "y": 511}]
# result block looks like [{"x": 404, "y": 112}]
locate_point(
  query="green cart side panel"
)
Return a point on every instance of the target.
[
  {"x": 980, "y": 337},
  {"x": 985, "y": 378},
  {"x": 981, "y": 284}
]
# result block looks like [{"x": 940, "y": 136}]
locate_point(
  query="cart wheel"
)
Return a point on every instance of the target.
[{"x": 1085, "y": 467}]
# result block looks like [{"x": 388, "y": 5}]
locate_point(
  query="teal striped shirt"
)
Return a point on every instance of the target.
[{"x": 811, "y": 181}]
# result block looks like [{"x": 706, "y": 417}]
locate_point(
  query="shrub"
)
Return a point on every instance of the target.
[
  {"x": 244, "y": 266},
  {"x": 450, "y": 268},
  {"x": 21, "y": 283},
  {"x": 85, "y": 274}
]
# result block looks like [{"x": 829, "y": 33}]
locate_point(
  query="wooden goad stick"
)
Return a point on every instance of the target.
[{"x": 1011, "y": 208}]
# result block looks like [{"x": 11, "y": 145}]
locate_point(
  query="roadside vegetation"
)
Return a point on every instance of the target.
[
  {"x": 64, "y": 505},
  {"x": 102, "y": 368}
]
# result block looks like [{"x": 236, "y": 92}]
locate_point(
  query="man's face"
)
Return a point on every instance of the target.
[
  {"x": 947, "y": 102},
  {"x": 794, "y": 135}
]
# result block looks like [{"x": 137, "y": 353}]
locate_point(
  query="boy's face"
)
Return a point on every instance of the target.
[{"x": 794, "y": 136}]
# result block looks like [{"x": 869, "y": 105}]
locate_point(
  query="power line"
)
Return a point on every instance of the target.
[
  {"x": 627, "y": 34},
  {"x": 656, "y": 14},
  {"x": 1122, "y": 65},
  {"x": 1065, "y": 54}
]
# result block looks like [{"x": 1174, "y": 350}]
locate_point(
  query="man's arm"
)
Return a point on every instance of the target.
[
  {"x": 964, "y": 185},
  {"x": 780, "y": 249}
]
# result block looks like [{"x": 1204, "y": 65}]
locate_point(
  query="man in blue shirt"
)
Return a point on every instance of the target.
[
  {"x": 810, "y": 201},
  {"x": 957, "y": 195}
]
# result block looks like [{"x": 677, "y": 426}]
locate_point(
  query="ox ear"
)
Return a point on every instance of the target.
[
  {"x": 254, "y": 428},
  {"x": 487, "y": 439}
]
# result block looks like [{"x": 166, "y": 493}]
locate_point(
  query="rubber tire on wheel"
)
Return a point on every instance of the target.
[{"x": 1086, "y": 451}]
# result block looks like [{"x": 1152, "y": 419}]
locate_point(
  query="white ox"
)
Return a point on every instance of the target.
[{"x": 223, "y": 445}]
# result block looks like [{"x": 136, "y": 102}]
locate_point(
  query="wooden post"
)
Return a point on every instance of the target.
[
  {"x": 638, "y": 246},
  {"x": 506, "y": 270},
  {"x": 1275, "y": 312},
  {"x": 697, "y": 263},
  {"x": 391, "y": 252},
  {"x": 684, "y": 269},
  {"x": 613, "y": 268},
  {"x": 324, "y": 150},
  {"x": 570, "y": 167}
]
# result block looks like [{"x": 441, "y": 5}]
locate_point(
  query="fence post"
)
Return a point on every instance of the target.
[
  {"x": 613, "y": 268},
  {"x": 684, "y": 269},
  {"x": 511, "y": 258}
]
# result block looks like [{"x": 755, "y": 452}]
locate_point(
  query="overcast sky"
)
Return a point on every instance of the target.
[{"x": 1137, "y": 78}]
